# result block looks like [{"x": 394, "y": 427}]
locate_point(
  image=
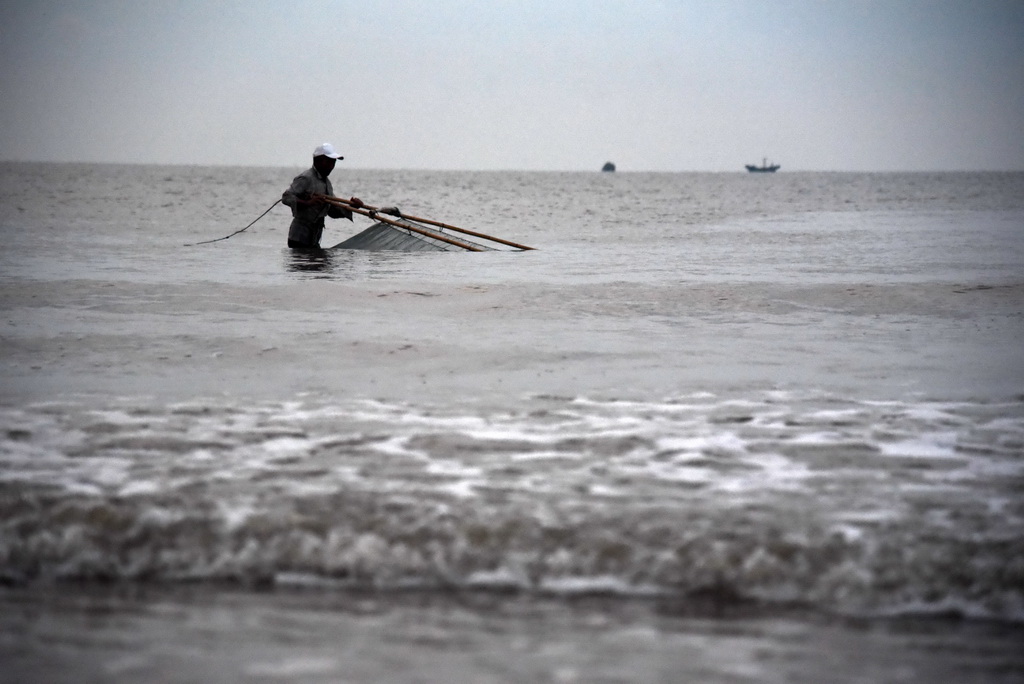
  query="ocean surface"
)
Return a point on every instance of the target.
[{"x": 717, "y": 427}]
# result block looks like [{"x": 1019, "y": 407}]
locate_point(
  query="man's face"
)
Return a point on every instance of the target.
[{"x": 324, "y": 165}]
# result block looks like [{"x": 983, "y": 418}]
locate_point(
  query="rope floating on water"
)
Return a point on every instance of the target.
[{"x": 206, "y": 242}]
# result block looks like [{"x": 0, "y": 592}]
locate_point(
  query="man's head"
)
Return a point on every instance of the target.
[{"x": 324, "y": 158}]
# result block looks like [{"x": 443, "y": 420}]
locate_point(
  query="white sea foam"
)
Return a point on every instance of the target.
[
  {"x": 572, "y": 586},
  {"x": 725, "y": 442},
  {"x": 285, "y": 447},
  {"x": 933, "y": 445},
  {"x": 463, "y": 489},
  {"x": 501, "y": 578},
  {"x": 140, "y": 488},
  {"x": 293, "y": 667},
  {"x": 818, "y": 438},
  {"x": 452, "y": 469}
]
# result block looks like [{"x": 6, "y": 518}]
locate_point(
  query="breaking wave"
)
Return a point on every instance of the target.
[{"x": 810, "y": 500}]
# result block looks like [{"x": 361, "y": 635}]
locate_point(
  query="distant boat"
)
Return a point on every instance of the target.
[
  {"x": 763, "y": 168},
  {"x": 608, "y": 167}
]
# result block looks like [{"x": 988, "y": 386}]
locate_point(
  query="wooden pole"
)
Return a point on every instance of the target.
[
  {"x": 372, "y": 213},
  {"x": 430, "y": 222}
]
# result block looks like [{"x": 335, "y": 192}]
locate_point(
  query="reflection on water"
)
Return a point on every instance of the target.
[
  {"x": 317, "y": 263},
  {"x": 348, "y": 264}
]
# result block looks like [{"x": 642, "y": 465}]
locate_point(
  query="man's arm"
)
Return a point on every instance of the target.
[
  {"x": 297, "y": 194},
  {"x": 336, "y": 212}
]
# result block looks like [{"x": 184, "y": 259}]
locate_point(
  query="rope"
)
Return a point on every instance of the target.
[{"x": 206, "y": 242}]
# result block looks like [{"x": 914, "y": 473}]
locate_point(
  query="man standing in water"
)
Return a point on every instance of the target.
[{"x": 308, "y": 213}]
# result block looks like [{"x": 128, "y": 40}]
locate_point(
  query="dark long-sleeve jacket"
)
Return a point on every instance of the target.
[{"x": 308, "y": 219}]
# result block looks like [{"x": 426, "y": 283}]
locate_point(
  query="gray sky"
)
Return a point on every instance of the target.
[{"x": 679, "y": 85}]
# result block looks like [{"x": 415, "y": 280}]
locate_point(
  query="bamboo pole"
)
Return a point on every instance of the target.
[
  {"x": 372, "y": 213},
  {"x": 348, "y": 205}
]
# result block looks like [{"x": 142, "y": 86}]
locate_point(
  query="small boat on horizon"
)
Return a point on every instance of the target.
[{"x": 765, "y": 167}]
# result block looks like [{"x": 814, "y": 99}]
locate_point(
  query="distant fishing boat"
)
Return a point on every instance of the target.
[
  {"x": 609, "y": 167},
  {"x": 765, "y": 167}
]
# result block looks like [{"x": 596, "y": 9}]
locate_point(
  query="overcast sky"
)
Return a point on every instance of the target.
[{"x": 679, "y": 85}]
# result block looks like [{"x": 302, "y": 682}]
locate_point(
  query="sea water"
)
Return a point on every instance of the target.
[{"x": 716, "y": 427}]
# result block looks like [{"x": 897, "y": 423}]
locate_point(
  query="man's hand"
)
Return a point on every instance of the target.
[
  {"x": 393, "y": 211},
  {"x": 356, "y": 202}
]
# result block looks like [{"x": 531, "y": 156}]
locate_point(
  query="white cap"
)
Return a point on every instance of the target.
[{"x": 326, "y": 150}]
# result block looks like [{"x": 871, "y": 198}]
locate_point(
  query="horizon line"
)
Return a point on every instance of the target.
[{"x": 598, "y": 170}]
